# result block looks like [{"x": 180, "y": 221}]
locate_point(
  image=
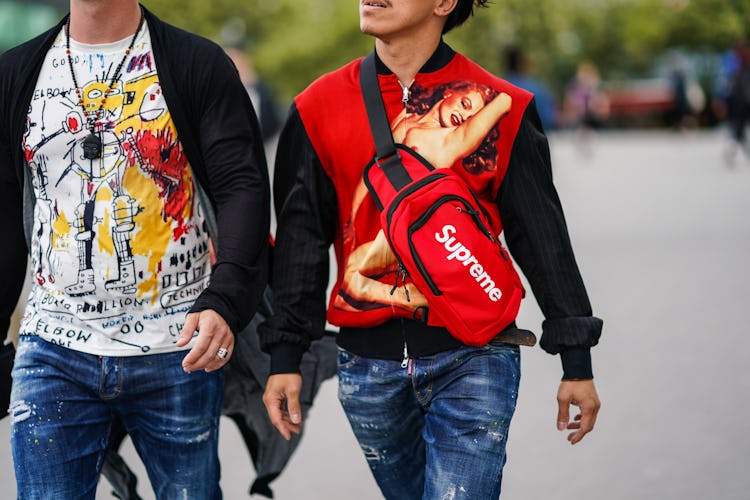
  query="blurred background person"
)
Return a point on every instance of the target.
[
  {"x": 738, "y": 103},
  {"x": 586, "y": 105},
  {"x": 680, "y": 114},
  {"x": 237, "y": 46},
  {"x": 260, "y": 93},
  {"x": 517, "y": 72}
]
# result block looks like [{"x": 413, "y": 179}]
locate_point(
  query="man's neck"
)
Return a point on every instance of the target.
[
  {"x": 103, "y": 21},
  {"x": 405, "y": 57}
]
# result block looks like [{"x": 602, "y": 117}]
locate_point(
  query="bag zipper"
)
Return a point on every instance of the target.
[{"x": 425, "y": 217}]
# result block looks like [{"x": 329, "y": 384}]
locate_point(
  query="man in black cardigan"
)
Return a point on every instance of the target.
[{"x": 125, "y": 143}]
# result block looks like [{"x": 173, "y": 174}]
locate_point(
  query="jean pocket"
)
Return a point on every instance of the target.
[{"x": 346, "y": 359}]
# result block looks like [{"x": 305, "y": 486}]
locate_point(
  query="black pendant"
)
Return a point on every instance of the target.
[{"x": 92, "y": 147}]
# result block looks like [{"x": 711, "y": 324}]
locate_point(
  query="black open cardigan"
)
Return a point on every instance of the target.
[{"x": 220, "y": 135}]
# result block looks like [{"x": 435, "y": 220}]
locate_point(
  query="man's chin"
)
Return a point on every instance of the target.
[{"x": 366, "y": 28}]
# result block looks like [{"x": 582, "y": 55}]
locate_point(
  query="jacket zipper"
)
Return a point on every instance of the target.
[
  {"x": 404, "y": 92},
  {"x": 407, "y": 361}
]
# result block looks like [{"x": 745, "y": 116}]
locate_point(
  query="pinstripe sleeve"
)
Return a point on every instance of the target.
[
  {"x": 537, "y": 237},
  {"x": 306, "y": 208}
]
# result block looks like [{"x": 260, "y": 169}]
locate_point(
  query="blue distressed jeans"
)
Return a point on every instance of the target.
[
  {"x": 436, "y": 429},
  {"x": 63, "y": 405}
]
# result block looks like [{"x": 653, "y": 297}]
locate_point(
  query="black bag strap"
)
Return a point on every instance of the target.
[{"x": 387, "y": 156}]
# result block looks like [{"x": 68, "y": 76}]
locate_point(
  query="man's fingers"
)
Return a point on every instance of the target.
[
  {"x": 214, "y": 338},
  {"x": 281, "y": 399},
  {"x": 285, "y": 426},
  {"x": 585, "y": 426},
  {"x": 563, "y": 413},
  {"x": 293, "y": 410},
  {"x": 583, "y": 395},
  {"x": 201, "y": 346},
  {"x": 206, "y": 355},
  {"x": 584, "y": 421},
  {"x": 274, "y": 414},
  {"x": 208, "y": 359}
]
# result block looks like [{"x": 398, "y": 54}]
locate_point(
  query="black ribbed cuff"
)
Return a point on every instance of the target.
[
  {"x": 4, "y": 325},
  {"x": 285, "y": 358},
  {"x": 576, "y": 363},
  {"x": 7, "y": 354}
]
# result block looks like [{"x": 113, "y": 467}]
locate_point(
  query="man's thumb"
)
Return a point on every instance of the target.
[
  {"x": 563, "y": 415},
  {"x": 295, "y": 415},
  {"x": 188, "y": 329}
]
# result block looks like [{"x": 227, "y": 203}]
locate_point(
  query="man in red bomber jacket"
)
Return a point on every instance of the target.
[{"x": 431, "y": 414}]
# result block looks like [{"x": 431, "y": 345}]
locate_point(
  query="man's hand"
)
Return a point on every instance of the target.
[
  {"x": 282, "y": 403},
  {"x": 580, "y": 393},
  {"x": 214, "y": 345}
]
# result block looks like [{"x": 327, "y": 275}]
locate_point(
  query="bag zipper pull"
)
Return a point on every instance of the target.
[
  {"x": 395, "y": 285},
  {"x": 403, "y": 282},
  {"x": 469, "y": 211},
  {"x": 475, "y": 214},
  {"x": 401, "y": 273}
]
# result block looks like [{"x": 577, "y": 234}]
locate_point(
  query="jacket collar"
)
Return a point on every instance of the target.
[{"x": 439, "y": 59}]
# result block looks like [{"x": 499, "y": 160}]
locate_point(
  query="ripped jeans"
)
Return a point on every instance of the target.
[
  {"x": 436, "y": 429},
  {"x": 63, "y": 404}
]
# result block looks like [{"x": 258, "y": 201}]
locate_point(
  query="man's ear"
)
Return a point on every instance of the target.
[{"x": 444, "y": 7}]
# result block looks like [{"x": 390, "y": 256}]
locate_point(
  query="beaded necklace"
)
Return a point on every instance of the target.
[{"x": 92, "y": 145}]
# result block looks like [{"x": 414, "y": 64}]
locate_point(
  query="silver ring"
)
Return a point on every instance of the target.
[{"x": 222, "y": 353}]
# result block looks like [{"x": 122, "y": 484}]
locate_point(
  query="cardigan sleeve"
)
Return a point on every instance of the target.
[
  {"x": 234, "y": 168},
  {"x": 13, "y": 252}
]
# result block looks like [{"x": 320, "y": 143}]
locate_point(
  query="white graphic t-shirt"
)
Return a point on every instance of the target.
[{"x": 119, "y": 250}]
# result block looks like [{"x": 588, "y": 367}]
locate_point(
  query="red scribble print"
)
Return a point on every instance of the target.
[
  {"x": 161, "y": 158},
  {"x": 73, "y": 123}
]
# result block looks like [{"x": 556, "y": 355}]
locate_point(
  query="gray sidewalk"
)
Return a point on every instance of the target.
[{"x": 661, "y": 231}]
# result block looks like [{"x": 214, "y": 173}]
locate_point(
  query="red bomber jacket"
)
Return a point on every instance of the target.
[{"x": 321, "y": 200}]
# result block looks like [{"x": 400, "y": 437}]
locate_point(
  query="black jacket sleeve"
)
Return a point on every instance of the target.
[
  {"x": 221, "y": 137},
  {"x": 537, "y": 237},
  {"x": 306, "y": 208},
  {"x": 231, "y": 148},
  {"x": 13, "y": 252}
]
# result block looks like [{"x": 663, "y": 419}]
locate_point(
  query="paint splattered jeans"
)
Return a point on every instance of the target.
[
  {"x": 63, "y": 404},
  {"x": 438, "y": 432}
]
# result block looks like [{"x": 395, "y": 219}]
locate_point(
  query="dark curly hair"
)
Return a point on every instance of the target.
[
  {"x": 463, "y": 10},
  {"x": 484, "y": 158}
]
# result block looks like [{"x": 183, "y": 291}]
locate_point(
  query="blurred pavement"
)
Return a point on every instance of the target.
[{"x": 660, "y": 228}]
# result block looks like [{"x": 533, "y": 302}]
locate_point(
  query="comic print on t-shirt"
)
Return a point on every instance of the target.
[{"x": 119, "y": 252}]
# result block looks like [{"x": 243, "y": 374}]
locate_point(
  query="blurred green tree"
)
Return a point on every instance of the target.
[{"x": 294, "y": 41}]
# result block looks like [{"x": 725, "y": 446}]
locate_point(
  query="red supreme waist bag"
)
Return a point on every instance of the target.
[{"x": 439, "y": 233}]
